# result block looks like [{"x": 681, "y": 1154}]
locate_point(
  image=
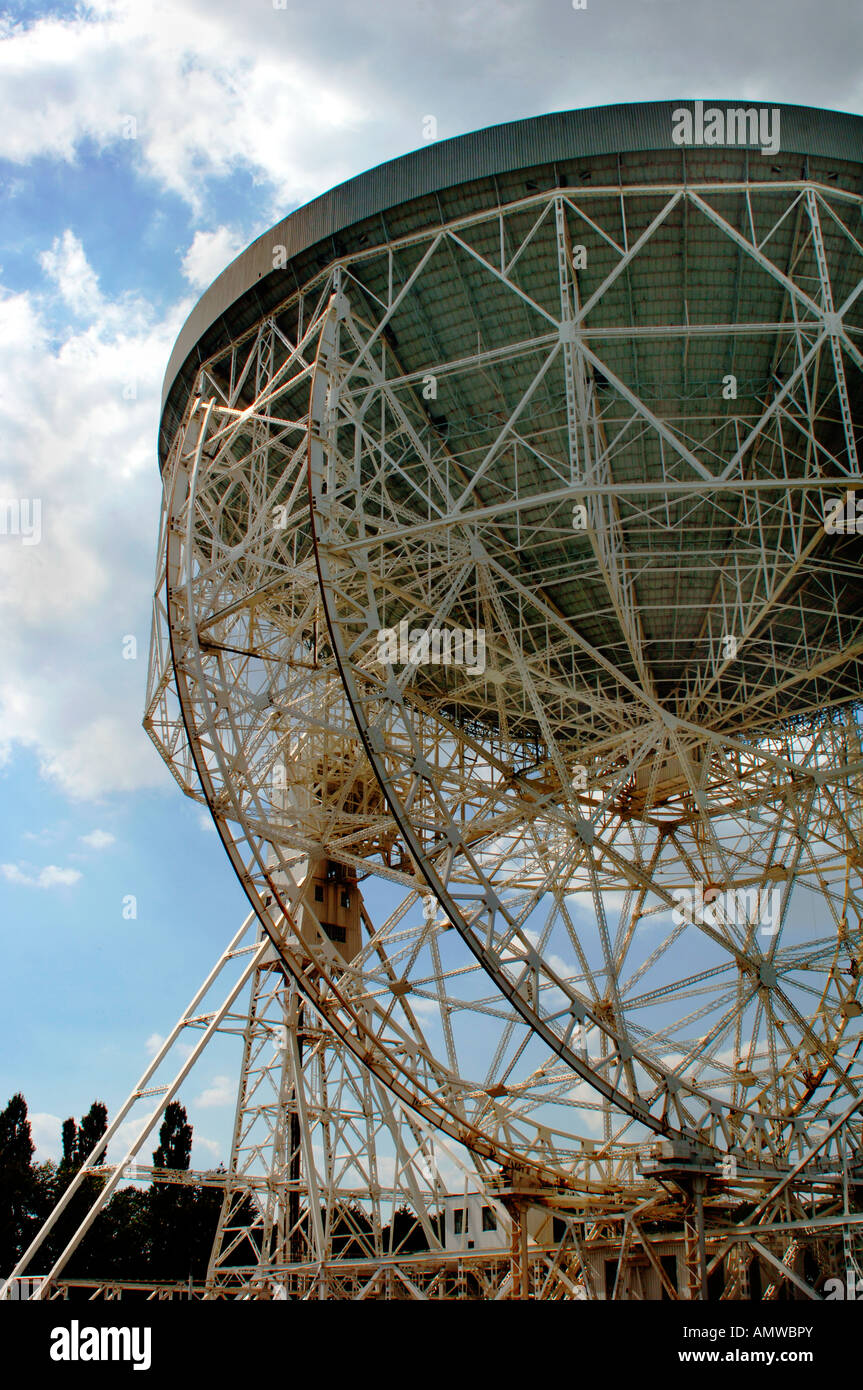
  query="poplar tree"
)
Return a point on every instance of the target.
[{"x": 18, "y": 1183}]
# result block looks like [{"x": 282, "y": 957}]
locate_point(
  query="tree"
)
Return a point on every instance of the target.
[
  {"x": 163, "y": 1233},
  {"x": 182, "y": 1218},
  {"x": 125, "y": 1235},
  {"x": 69, "y": 1139},
  {"x": 405, "y": 1235},
  {"x": 90, "y": 1131},
  {"x": 78, "y": 1142},
  {"x": 175, "y": 1139},
  {"x": 18, "y": 1183}
]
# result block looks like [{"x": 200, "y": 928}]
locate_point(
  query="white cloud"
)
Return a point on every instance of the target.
[
  {"x": 185, "y": 90},
  {"x": 298, "y": 98},
  {"x": 588, "y": 1115},
  {"x": 212, "y": 1147},
  {"x": 209, "y": 253},
  {"x": 45, "y": 1131},
  {"x": 43, "y": 837},
  {"x": 206, "y": 822},
  {"x": 222, "y": 1091},
  {"x": 180, "y": 1050},
  {"x": 428, "y": 1010},
  {"x": 79, "y": 418},
  {"x": 99, "y": 839},
  {"x": 73, "y": 275},
  {"x": 50, "y": 877},
  {"x": 126, "y": 1136}
]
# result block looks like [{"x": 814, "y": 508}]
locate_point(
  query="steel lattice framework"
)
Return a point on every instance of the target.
[
  {"x": 329, "y": 1182},
  {"x": 509, "y": 562},
  {"x": 479, "y": 772},
  {"x": 675, "y": 754},
  {"x": 283, "y": 768},
  {"x": 629, "y": 505}
]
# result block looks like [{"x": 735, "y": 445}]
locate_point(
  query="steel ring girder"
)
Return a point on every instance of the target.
[
  {"x": 353, "y": 617},
  {"x": 566, "y": 206},
  {"x": 512, "y": 1138}
]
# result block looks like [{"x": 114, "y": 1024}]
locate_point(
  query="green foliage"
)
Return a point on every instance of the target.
[
  {"x": 175, "y": 1139},
  {"x": 182, "y": 1219},
  {"x": 405, "y": 1235},
  {"x": 78, "y": 1142},
  {"x": 19, "y": 1196},
  {"x": 16, "y": 1143},
  {"x": 162, "y": 1233},
  {"x": 90, "y": 1131},
  {"x": 351, "y": 1232}
]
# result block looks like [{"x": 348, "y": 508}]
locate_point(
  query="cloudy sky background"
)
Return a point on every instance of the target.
[{"x": 142, "y": 145}]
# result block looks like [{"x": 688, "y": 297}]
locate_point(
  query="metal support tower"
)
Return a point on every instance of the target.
[
  {"x": 328, "y": 1172},
  {"x": 324, "y": 1167}
]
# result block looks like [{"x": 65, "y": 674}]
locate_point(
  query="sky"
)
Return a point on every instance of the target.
[{"x": 142, "y": 145}]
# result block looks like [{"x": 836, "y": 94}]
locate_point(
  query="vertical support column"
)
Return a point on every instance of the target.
[
  {"x": 293, "y": 1240},
  {"x": 702, "y": 1243},
  {"x": 695, "y": 1243},
  {"x": 575, "y": 410},
  {"x": 519, "y": 1267},
  {"x": 261, "y": 1206},
  {"x": 832, "y": 323},
  {"x": 515, "y": 1250}
]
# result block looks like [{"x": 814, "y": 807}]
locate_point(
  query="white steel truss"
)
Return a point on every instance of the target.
[
  {"x": 327, "y": 1172},
  {"x": 668, "y": 702}
]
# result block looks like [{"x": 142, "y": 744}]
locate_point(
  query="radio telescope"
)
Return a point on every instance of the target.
[
  {"x": 508, "y": 620},
  {"x": 598, "y": 413},
  {"x": 666, "y": 724}
]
